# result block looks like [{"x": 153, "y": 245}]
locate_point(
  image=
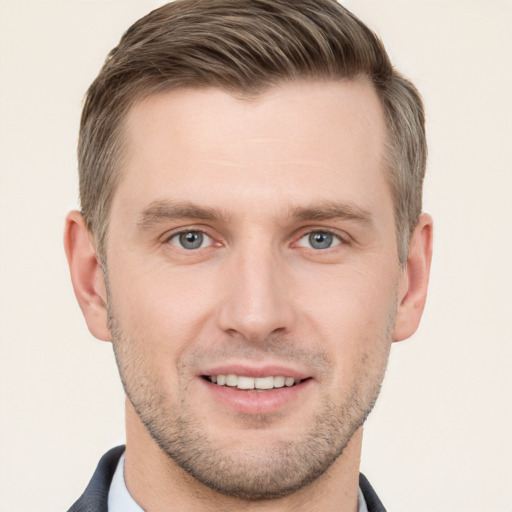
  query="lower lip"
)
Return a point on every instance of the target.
[{"x": 253, "y": 402}]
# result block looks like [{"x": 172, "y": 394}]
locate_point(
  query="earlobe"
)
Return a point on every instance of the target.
[
  {"x": 86, "y": 275},
  {"x": 414, "y": 281}
]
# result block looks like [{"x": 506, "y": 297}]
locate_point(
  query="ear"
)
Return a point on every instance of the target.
[
  {"x": 86, "y": 275},
  {"x": 414, "y": 280}
]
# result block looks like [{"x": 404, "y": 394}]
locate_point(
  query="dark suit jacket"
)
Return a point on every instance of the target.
[{"x": 95, "y": 496}]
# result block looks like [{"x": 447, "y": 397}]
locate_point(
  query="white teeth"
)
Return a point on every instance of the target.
[
  {"x": 264, "y": 383},
  {"x": 258, "y": 383},
  {"x": 245, "y": 383},
  {"x": 231, "y": 380},
  {"x": 279, "y": 382}
]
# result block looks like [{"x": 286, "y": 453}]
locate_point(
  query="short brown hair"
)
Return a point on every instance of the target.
[{"x": 245, "y": 46}]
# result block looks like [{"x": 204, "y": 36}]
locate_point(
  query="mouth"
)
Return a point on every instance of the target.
[
  {"x": 257, "y": 384},
  {"x": 253, "y": 389}
]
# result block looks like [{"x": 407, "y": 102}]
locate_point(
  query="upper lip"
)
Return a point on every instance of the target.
[{"x": 246, "y": 370}]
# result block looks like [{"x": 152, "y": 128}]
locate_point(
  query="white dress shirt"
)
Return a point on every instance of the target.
[{"x": 119, "y": 499}]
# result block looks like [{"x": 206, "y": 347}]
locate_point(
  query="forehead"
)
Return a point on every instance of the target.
[{"x": 295, "y": 143}]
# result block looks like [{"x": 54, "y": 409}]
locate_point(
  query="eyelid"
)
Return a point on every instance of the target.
[
  {"x": 338, "y": 240},
  {"x": 184, "y": 228},
  {"x": 207, "y": 239},
  {"x": 167, "y": 237},
  {"x": 342, "y": 236}
]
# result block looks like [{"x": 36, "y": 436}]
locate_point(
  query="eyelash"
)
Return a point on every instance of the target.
[
  {"x": 176, "y": 236},
  {"x": 336, "y": 241}
]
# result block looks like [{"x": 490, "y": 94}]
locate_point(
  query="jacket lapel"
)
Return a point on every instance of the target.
[{"x": 95, "y": 496}]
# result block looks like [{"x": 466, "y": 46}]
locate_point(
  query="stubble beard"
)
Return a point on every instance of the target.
[{"x": 286, "y": 466}]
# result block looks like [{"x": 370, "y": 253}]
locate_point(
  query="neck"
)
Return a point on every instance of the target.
[{"x": 158, "y": 484}]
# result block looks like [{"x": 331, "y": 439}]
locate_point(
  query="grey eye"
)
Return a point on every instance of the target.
[
  {"x": 191, "y": 240},
  {"x": 319, "y": 240}
]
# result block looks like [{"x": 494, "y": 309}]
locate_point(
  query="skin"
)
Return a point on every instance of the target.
[{"x": 257, "y": 177}]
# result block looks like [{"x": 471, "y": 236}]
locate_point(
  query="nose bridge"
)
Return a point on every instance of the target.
[{"x": 257, "y": 301}]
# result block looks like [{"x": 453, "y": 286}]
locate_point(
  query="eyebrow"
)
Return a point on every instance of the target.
[
  {"x": 159, "y": 211},
  {"x": 332, "y": 211}
]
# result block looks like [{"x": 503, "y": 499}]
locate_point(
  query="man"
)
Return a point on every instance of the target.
[{"x": 251, "y": 242}]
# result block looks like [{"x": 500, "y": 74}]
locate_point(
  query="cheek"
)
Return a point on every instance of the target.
[
  {"x": 157, "y": 301},
  {"x": 158, "y": 317},
  {"x": 352, "y": 315},
  {"x": 349, "y": 300}
]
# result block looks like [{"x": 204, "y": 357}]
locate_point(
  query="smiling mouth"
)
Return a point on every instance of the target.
[{"x": 253, "y": 383}]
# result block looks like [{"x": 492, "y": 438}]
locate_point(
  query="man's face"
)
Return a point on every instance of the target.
[{"x": 252, "y": 244}]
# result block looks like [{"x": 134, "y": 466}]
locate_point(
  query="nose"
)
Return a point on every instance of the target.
[{"x": 256, "y": 299}]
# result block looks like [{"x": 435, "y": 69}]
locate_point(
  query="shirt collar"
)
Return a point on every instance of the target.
[
  {"x": 362, "y": 507},
  {"x": 119, "y": 499}
]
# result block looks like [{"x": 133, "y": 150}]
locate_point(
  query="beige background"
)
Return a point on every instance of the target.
[{"x": 441, "y": 436}]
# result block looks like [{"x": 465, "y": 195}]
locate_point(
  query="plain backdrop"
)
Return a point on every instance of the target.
[{"x": 440, "y": 438}]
